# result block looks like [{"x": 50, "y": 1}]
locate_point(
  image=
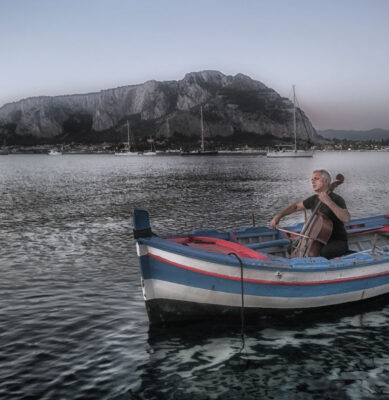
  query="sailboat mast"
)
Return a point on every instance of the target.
[
  {"x": 294, "y": 119},
  {"x": 202, "y": 128},
  {"x": 128, "y": 135}
]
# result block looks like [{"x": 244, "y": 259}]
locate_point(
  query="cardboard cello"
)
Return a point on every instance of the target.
[{"x": 317, "y": 230}]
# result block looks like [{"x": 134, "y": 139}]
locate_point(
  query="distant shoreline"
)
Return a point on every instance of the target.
[{"x": 175, "y": 154}]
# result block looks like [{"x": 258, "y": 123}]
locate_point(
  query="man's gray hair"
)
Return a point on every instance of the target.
[{"x": 325, "y": 174}]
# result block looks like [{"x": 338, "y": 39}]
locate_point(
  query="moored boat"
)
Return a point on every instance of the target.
[
  {"x": 201, "y": 151},
  {"x": 209, "y": 274},
  {"x": 283, "y": 151},
  {"x": 152, "y": 151},
  {"x": 127, "y": 150},
  {"x": 55, "y": 152}
]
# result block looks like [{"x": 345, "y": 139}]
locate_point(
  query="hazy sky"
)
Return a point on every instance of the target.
[{"x": 336, "y": 52}]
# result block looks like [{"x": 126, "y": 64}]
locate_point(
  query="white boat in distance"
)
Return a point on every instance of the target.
[
  {"x": 284, "y": 150},
  {"x": 55, "y": 153},
  {"x": 200, "y": 152},
  {"x": 128, "y": 145},
  {"x": 152, "y": 151}
]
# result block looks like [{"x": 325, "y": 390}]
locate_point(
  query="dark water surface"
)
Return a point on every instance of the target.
[{"x": 72, "y": 320}]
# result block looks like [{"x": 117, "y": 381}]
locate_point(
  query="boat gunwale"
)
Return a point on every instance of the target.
[{"x": 303, "y": 265}]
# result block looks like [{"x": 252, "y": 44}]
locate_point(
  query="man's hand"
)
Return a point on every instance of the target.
[
  {"x": 299, "y": 206},
  {"x": 324, "y": 198},
  {"x": 274, "y": 222}
]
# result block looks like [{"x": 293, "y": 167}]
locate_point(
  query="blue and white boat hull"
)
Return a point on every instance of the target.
[{"x": 182, "y": 283}]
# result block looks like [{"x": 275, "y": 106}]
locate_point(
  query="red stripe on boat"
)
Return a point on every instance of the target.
[
  {"x": 218, "y": 246},
  {"x": 248, "y": 280}
]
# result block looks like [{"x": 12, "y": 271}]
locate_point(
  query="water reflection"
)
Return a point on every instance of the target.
[{"x": 280, "y": 359}]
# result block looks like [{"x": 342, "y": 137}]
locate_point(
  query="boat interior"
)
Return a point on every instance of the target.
[{"x": 363, "y": 234}]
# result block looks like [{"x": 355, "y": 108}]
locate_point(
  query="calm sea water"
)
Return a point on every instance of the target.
[{"x": 72, "y": 319}]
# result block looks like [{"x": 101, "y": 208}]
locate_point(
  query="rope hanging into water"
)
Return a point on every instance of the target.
[{"x": 242, "y": 322}]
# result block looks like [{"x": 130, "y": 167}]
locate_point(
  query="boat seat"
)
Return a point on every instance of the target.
[{"x": 272, "y": 243}]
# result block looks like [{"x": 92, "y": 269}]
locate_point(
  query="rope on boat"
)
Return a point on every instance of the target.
[{"x": 242, "y": 322}]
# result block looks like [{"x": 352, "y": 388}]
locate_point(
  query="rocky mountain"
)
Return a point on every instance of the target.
[
  {"x": 363, "y": 136},
  {"x": 232, "y": 106}
]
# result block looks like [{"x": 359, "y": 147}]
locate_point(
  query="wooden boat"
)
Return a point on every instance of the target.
[{"x": 209, "y": 274}]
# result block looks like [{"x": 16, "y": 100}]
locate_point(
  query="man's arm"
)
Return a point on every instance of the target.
[
  {"x": 341, "y": 213},
  {"x": 298, "y": 206}
]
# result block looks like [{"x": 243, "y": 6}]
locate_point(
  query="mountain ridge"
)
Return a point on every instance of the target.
[{"x": 232, "y": 105}]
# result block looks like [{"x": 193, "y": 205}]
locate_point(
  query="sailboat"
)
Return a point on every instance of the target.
[
  {"x": 152, "y": 151},
  {"x": 200, "y": 152},
  {"x": 284, "y": 151},
  {"x": 128, "y": 145},
  {"x": 55, "y": 152},
  {"x": 3, "y": 149}
]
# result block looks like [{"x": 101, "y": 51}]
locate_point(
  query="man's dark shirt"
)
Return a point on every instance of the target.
[{"x": 338, "y": 230}]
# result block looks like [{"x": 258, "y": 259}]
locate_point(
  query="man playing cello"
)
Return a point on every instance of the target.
[{"x": 333, "y": 207}]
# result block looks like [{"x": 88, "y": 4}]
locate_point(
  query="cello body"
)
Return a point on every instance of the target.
[{"x": 318, "y": 234}]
